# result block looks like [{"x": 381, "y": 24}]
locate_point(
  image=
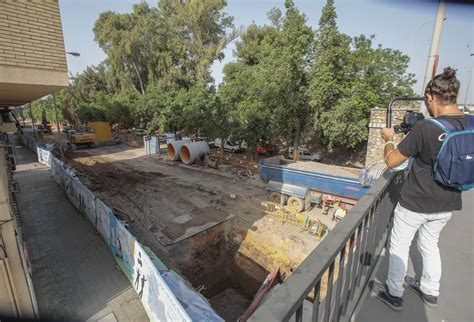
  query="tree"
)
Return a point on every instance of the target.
[
  {"x": 172, "y": 45},
  {"x": 285, "y": 72},
  {"x": 375, "y": 75},
  {"x": 243, "y": 86},
  {"x": 268, "y": 83},
  {"x": 330, "y": 58},
  {"x": 125, "y": 39}
]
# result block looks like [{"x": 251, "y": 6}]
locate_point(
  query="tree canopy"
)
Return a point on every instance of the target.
[{"x": 287, "y": 82}]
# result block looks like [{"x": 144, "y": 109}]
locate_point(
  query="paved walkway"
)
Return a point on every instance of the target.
[
  {"x": 75, "y": 276},
  {"x": 456, "y": 302}
]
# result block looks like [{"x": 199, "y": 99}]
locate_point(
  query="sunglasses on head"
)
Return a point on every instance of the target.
[{"x": 429, "y": 87}]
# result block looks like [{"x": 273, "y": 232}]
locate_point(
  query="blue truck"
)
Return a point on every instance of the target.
[{"x": 299, "y": 184}]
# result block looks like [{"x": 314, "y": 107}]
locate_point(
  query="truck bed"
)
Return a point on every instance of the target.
[
  {"x": 326, "y": 169},
  {"x": 334, "y": 180}
]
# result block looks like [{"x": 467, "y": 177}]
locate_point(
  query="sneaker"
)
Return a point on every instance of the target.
[
  {"x": 414, "y": 285},
  {"x": 381, "y": 292}
]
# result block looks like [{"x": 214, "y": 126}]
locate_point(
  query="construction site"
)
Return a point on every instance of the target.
[
  {"x": 216, "y": 227},
  {"x": 189, "y": 161}
]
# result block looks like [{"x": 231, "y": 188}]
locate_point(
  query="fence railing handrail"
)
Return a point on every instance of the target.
[{"x": 282, "y": 303}]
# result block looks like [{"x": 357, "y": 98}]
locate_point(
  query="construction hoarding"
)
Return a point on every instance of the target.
[{"x": 163, "y": 293}]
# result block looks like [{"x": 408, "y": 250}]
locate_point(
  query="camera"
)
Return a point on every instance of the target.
[{"x": 409, "y": 121}]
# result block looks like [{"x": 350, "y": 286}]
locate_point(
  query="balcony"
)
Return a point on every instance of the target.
[{"x": 332, "y": 283}]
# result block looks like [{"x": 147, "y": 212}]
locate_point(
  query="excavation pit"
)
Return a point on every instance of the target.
[
  {"x": 220, "y": 272},
  {"x": 208, "y": 227}
]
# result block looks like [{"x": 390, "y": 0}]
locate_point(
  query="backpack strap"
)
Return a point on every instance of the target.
[
  {"x": 445, "y": 125},
  {"x": 470, "y": 122}
]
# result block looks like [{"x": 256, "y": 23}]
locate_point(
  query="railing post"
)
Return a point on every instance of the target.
[{"x": 362, "y": 233}]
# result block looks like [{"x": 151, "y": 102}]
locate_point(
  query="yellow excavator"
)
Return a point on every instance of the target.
[{"x": 80, "y": 135}]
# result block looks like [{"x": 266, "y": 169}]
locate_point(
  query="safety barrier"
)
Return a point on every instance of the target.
[
  {"x": 333, "y": 277},
  {"x": 164, "y": 294}
]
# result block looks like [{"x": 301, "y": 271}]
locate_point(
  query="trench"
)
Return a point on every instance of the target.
[{"x": 220, "y": 272}]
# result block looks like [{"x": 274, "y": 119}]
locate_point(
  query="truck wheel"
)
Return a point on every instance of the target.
[
  {"x": 278, "y": 198},
  {"x": 296, "y": 204}
]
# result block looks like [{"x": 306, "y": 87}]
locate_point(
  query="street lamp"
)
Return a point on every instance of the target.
[
  {"x": 73, "y": 53},
  {"x": 414, "y": 33}
]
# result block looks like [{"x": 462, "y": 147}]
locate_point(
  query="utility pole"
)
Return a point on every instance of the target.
[
  {"x": 32, "y": 121},
  {"x": 58, "y": 129},
  {"x": 433, "y": 56}
]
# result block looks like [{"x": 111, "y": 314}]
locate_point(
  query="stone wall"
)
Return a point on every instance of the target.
[{"x": 376, "y": 124}]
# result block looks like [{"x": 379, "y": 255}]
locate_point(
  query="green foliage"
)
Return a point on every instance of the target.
[
  {"x": 328, "y": 80},
  {"x": 374, "y": 76},
  {"x": 287, "y": 81},
  {"x": 267, "y": 85},
  {"x": 38, "y": 107},
  {"x": 172, "y": 45}
]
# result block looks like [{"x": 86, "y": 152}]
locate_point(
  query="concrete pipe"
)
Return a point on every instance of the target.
[
  {"x": 173, "y": 148},
  {"x": 189, "y": 152}
]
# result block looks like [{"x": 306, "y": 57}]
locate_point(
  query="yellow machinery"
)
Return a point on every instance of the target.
[
  {"x": 287, "y": 214},
  {"x": 102, "y": 131},
  {"x": 81, "y": 136}
]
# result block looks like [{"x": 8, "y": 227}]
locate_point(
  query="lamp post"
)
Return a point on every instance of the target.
[
  {"x": 57, "y": 117},
  {"x": 72, "y": 53},
  {"x": 467, "y": 88},
  {"x": 413, "y": 35},
  {"x": 58, "y": 128}
]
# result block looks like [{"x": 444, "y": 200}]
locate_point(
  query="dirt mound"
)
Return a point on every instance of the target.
[{"x": 326, "y": 169}]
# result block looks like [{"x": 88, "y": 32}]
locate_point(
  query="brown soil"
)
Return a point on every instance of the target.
[
  {"x": 207, "y": 225},
  {"x": 326, "y": 169}
]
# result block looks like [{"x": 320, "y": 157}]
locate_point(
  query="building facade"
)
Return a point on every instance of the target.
[
  {"x": 32, "y": 58},
  {"x": 32, "y": 65}
]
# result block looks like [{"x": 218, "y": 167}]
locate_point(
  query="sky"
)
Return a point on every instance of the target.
[{"x": 393, "y": 22}]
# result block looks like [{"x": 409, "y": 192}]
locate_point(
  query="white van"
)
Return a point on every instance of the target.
[
  {"x": 305, "y": 154},
  {"x": 228, "y": 146}
]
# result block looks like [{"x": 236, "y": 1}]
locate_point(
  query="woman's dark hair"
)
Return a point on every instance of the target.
[{"x": 444, "y": 87}]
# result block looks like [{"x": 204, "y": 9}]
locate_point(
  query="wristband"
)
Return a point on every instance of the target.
[{"x": 389, "y": 142}]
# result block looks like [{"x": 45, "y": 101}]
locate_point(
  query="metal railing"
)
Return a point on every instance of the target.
[{"x": 330, "y": 281}]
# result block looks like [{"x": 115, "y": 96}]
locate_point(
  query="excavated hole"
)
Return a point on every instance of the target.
[{"x": 228, "y": 279}]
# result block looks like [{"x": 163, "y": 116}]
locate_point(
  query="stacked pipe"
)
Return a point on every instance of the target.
[
  {"x": 190, "y": 151},
  {"x": 173, "y": 148}
]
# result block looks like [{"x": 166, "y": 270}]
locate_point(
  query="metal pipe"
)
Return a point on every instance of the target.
[
  {"x": 189, "y": 152},
  {"x": 433, "y": 56},
  {"x": 399, "y": 98},
  {"x": 173, "y": 148}
]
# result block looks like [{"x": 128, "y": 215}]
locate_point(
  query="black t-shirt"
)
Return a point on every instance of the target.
[{"x": 420, "y": 192}]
